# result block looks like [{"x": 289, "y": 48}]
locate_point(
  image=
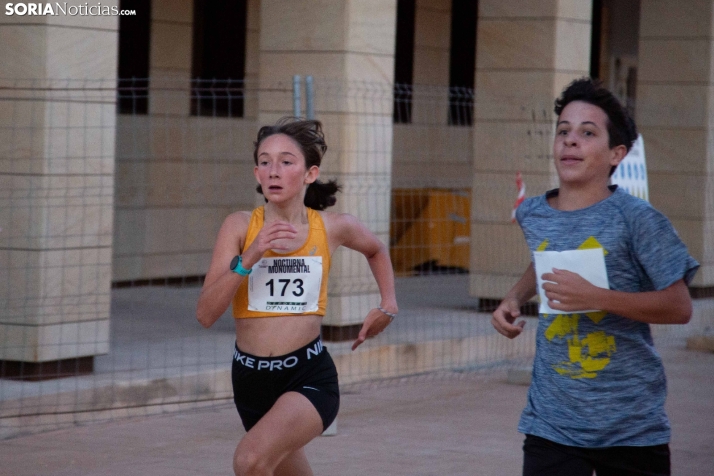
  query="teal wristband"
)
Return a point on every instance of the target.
[{"x": 237, "y": 266}]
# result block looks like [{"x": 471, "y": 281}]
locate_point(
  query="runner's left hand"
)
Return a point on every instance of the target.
[
  {"x": 375, "y": 322},
  {"x": 567, "y": 291}
]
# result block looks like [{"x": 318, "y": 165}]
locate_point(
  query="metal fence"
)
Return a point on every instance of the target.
[{"x": 112, "y": 196}]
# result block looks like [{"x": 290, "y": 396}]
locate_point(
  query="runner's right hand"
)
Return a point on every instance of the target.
[
  {"x": 504, "y": 317},
  {"x": 273, "y": 236}
]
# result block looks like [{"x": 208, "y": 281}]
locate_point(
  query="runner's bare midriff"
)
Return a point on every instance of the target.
[{"x": 280, "y": 335}]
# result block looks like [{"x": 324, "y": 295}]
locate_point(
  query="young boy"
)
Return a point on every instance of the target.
[{"x": 596, "y": 400}]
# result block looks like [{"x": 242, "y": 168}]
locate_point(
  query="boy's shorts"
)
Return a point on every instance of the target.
[
  {"x": 258, "y": 382},
  {"x": 546, "y": 458}
]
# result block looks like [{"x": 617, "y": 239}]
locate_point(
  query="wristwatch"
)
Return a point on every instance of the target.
[{"x": 237, "y": 266}]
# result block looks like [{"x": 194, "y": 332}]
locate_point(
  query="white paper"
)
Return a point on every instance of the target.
[{"x": 590, "y": 264}]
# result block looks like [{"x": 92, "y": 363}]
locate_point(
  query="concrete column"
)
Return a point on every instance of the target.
[
  {"x": 348, "y": 47},
  {"x": 171, "y": 45},
  {"x": 432, "y": 37},
  {"x": 57, "y": 128},
  {"x": 675, "y": 115},
  {"x": 526, "y": 53}
]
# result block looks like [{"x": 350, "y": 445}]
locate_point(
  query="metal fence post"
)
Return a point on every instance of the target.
[
  {"x": 296, "y": 96},
  {"x": 309, "y": 98}
]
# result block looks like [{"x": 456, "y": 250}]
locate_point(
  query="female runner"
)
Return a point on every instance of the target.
[{"x": 272, "y": 264}]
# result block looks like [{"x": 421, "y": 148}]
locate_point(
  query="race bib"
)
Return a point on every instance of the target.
[{"x": 285, "y": 285}]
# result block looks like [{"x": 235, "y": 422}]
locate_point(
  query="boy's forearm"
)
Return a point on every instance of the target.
[
  {"x": 525, "y": 288},
  {"x": 672, "y": 305}
]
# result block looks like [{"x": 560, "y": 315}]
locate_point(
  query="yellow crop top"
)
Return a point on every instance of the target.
[{"x": 283, "y": 284}]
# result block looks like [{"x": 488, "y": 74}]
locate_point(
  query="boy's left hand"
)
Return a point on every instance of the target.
[
  {"x": 571, "y": 291},
  {"x": 375, "y": 322}
]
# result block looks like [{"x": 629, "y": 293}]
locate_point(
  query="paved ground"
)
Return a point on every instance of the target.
[{"x": 460, "y": 424}]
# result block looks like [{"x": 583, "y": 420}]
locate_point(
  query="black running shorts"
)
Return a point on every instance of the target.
[
  {"x": 258, "y": 382},
  {"x": 543, "y": 457}
]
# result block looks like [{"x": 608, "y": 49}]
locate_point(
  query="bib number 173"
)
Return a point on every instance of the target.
[{"x": 296, "y": 289}]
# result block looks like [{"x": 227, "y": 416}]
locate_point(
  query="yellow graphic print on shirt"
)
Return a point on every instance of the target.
[{"x": 586, "y": 355}]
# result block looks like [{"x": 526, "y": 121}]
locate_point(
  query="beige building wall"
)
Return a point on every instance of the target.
[
  {"x": 429, "y": 152},
  {"x": 178, "y": 175},
  {"x": 526, "y": 53},
  {"x": 432, "y": 156},
  {"x": 57, "y": 131},
  {"x": 170, "y": 52},
  {"x": 348, "y": 46},
  {"x": 675, "y": 116},
  {"x": 432, "y": 41}
]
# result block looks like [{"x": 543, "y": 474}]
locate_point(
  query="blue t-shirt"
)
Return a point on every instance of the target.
[{"x": 597, "y": 378}]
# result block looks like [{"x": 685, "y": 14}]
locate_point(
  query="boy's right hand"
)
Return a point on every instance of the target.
[{"x": 504, "y": 317}]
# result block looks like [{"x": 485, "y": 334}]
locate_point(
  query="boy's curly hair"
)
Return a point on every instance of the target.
[{"x": 621, "y": 128}]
